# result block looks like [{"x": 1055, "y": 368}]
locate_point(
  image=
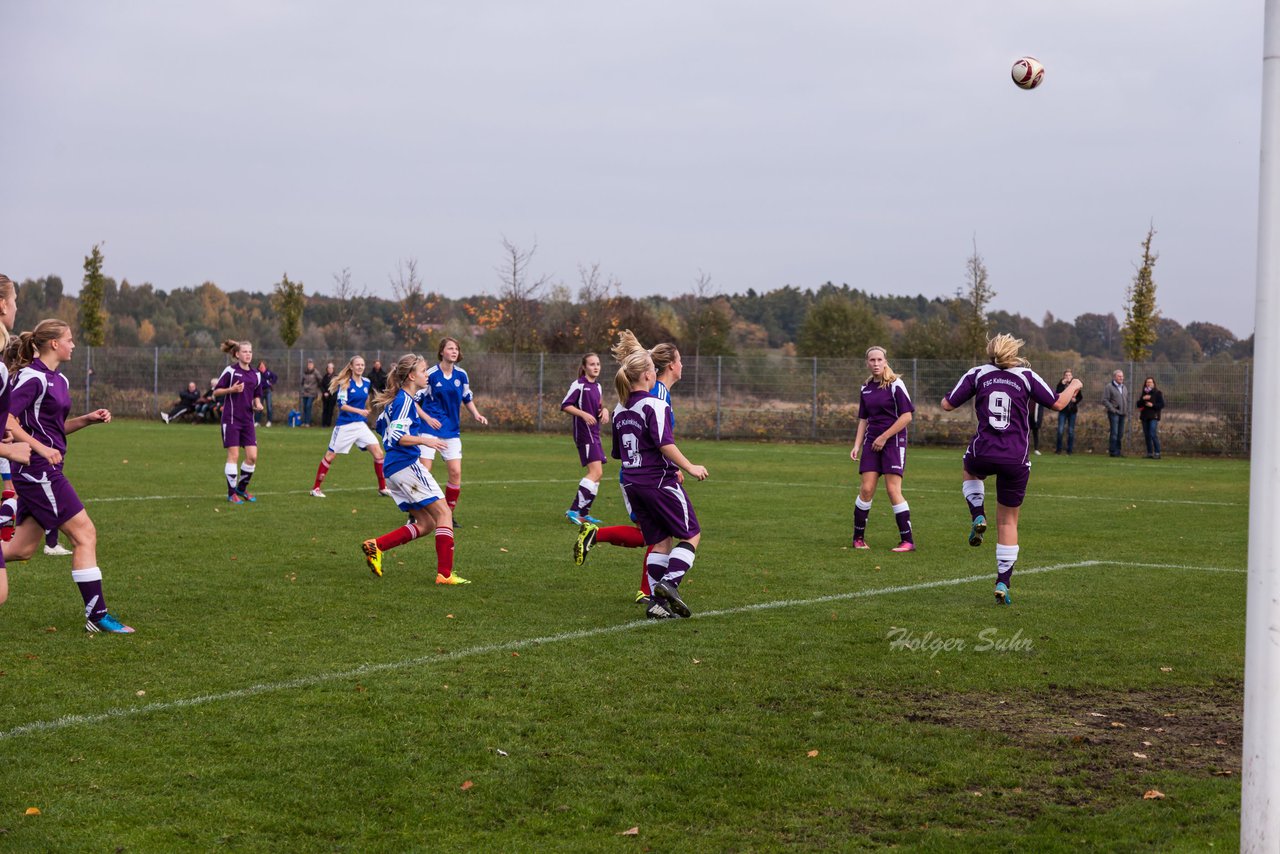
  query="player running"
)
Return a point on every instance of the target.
[
  {"x": 411, "y": 485},
  {"x": 353, "y": 389},
  {"x": 1003, "y": 392}
]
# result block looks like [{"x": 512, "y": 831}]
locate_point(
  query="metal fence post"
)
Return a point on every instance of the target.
[
  {"x": 542, "y": 357},
  {"x": 915, "y": 378},
  {"x": 156, "y": 376},
  {"x": 813, "y": 429},
  {"x": 88, "y": 372},
  {"x": 719, "y": 359}
]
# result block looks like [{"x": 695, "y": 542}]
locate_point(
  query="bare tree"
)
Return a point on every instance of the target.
[
  {"x": 597, "y": 296},
  {"x": 407, "y": 288},
  {"x": 346, "y": 293},
  {"x": 519, "y": 297}
]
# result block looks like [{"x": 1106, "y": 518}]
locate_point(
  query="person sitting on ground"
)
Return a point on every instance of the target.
[{"x": 187, "y": 399}]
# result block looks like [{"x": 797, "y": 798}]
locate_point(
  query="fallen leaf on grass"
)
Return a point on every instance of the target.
[
  {"x": 502, "y": 752},
  {"x": 124, "y": 462},
  {"x": 1096, "y": 715},
  {"x": 466, "y": 785},
  {"x": 630, "y": 831},
  {"x": 515, "y": 655},
  {"x": 697, "y": 661},
  {"x": 142, "y": 693},
  {"x": 1166, "y": 669},
  {"x": 1117, "y": 725},
  {"x": 504, "y": 551},
  {"x": 1153, "y": 795},
  {"x": 812, "y": 753},
  {"x": 448, "y": 616},
  {"x": 1137, "y": 755},
  {"x": 33, "y": 811},
  {"x": 51, "y": 629},
  {"x": 1223, "y": 773}
]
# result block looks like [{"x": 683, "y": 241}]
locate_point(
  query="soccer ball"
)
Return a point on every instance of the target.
[{"x": 1028, "y": 73}]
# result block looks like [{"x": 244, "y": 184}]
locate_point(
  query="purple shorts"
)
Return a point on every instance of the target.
[
  {"x": 1011, "y": 478},
  {"x": 891, "y": 460},
  {"x": 46, "y": 495},
  {"x": 239, "y": 435},
  {"x": 591, "y": 452},
  {"x": 662, "y": 512}
]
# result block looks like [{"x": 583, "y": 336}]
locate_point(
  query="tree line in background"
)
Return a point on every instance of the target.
[{"x": 531, "y": 314}]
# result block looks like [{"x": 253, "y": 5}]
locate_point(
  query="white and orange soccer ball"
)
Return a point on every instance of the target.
[{"x": 1028, "y": 73}]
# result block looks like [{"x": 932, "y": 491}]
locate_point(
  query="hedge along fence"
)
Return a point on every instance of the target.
[{"x": 758, "y": 398}]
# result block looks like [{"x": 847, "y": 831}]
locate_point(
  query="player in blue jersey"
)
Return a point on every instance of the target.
[
  {"x": 651, "y": 481},
  {"x": 449, "y": 390},
  {"x": 1003, "y": 392},
  {"x": 238, "y": 388},
  {"x": 412, "y": 487},
  {"x": 19, "y": 452},
  {"x": 584, "y": 403},
  {"x": 880, "y": 448},
  {"x": 352, "y": 389}
]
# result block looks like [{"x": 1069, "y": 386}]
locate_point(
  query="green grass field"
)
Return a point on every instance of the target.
[{"x": 279, "y": 697}]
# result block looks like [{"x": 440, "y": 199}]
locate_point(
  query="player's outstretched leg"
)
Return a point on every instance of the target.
[{"x": 585, "y": 543}]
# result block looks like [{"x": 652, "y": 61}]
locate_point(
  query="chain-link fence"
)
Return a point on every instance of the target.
[{"x": 1207, "y": 404}]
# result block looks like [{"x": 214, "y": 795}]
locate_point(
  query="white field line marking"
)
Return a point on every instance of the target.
[
  {"x": 561, "y": 481},
  {"x": 511, "y": 646}
]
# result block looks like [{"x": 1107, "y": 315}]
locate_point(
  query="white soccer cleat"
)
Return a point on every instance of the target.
[
  {"x": 385, "y": 491},
  {"x": 57, "y": 551},
  {"x": 316, "y": 493}
]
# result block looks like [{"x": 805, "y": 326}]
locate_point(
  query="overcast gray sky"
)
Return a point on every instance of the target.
[{"x": 764, "y": 144}]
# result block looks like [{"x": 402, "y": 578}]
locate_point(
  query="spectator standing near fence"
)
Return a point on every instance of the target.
[
  {"x": 310, "y": 388},
  {"x": 267, "y": 378},
  {"x": 328, "y": 398},
  {"x": 238, "y": 390},
  {"x": 1115, "y": 397},
  {"x": 1150, "y": 405},
  {"x": 378, "y": 376},
  {"x": 1067, "y": 416}
]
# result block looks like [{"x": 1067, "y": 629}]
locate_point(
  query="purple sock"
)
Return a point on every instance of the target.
[
  {"x": 861, "y": 509},
  {"x": 681, "y": 559},
  {"x": 90, "y": 583},
  {"x": 902, "y": 513},
  {"x": 582, "y": 501},
  {"x": 246, "y": 474}
]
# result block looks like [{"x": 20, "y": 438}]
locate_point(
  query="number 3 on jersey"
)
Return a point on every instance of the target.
[
  {"x": 1000, "y": 407},
  {"x": 631, "y": 451}
]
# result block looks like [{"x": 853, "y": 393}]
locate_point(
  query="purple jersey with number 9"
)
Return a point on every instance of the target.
[{"x": 1002, "y": 402}]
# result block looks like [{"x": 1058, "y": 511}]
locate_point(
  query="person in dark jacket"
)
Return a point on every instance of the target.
[
  {"x": 310, "y": 387},
  {"x": 1067, "y": 416},
  {"x": 187, "y": 399},
  {"x": 1150, "y": 402},
  {"x": 328, "y": 399},
  {"x": 267, "y": 378},
  {"x": 378, "y": 376}
]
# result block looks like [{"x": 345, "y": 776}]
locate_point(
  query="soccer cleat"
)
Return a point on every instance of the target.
[
  {"x": 585, "y": 542},
  {"x": 247, "y": 496},
  {"x": 385, "y": 491},
  {"x": 978, "y": 528},
  {"x": 667, "y": 594},
  {"x": 58, "y": 550},
  {"x": 316, "y": 493},
  {"x": 904, "y": 547},
  {"x": 1002, "y": 594},
  {"x": 109, "y": 624},
  {"x": 450, "y": 579},
  {"x": 235, "y": 498},
  {"x": 658, "y": 611},
  {"x": 165, "y": 416},
  {"x": 593, "y": 520},
  {"x": 860, "y": 543},
  {"x": 572, "y": 516},
  {"x": 643, "y": 598},
  {"x": 372, "y": 556}
]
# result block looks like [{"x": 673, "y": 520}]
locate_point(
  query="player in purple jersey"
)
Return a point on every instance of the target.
[
  {"x": 353, "y": 392},
  {"x": 450, "y": 390},
  {"x": 651, "y": 482},
  {"x": 1003, "y": 392},
  {"x": 584, "y": 403},
  {"x": 18, "y": 452},
  {"x": 880, "y": 448},
  {"x": 38, "y": 409},
  {"x": 241, "y": 395}
]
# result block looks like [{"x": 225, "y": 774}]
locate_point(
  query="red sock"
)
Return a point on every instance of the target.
[
  {"x": 398, "y": 537},
  {"x": 6, "y": 533},
  {"x": 451, "y": 493},
  {"x": 8, "y": 493},
  {"x": 382, "y": 479},
  {"x": 644, "y": 573},
  {"x": 444, "y": 551},
  {"x": 621, "y": 535},
  {"x": 320, "y": 473}
]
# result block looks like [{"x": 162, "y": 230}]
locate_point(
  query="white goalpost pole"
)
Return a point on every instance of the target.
[{"x": 1260, "y": 793}]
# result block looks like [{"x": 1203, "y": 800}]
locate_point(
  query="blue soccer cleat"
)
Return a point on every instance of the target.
[
  {"x": 593, "y": 520},
  {"x": 109, "y": 624},
  {"x": 572, "y": 516},
  {"x": 1002, "y": 594},
  {"x": 247, "y": 496},
  {"x": 976, "y": 531}
]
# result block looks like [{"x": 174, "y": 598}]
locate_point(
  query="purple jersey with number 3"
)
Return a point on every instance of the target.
[
  {"x": 1002, "y": 402},
  {"x": 640, "y": 429}
]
